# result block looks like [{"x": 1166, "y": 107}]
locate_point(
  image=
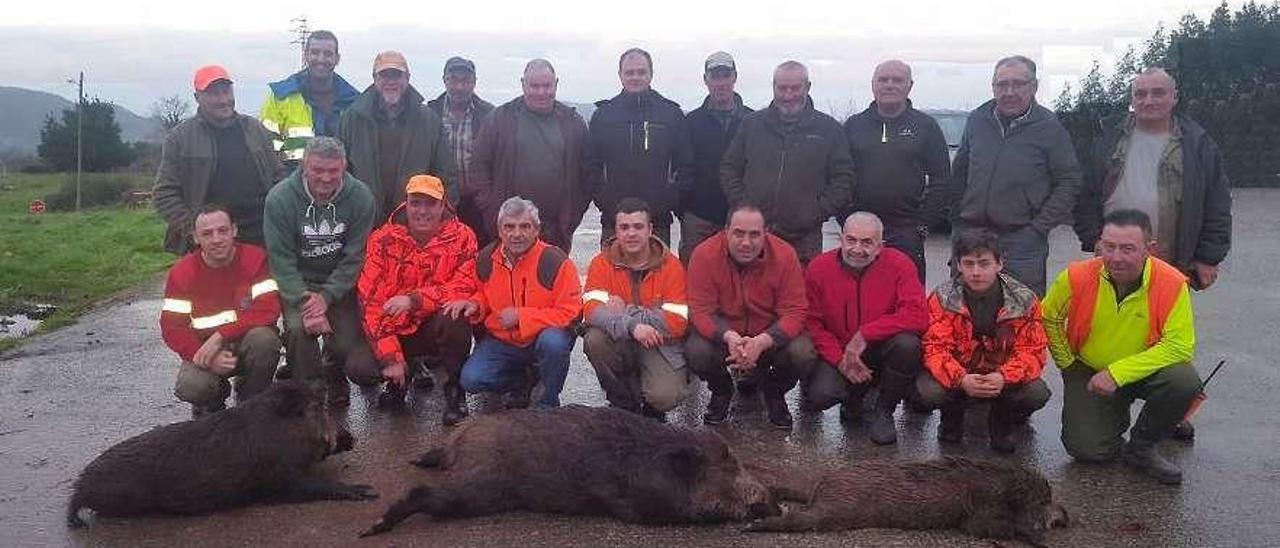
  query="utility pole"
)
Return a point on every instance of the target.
[
  {"x": 79, "y": 139},
  {"x": 300, "y": 31}
]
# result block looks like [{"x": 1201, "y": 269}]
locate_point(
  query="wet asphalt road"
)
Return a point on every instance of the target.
[{"x": 67, "y": 396}]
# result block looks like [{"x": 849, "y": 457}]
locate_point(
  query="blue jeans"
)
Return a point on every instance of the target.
[{"x": 495, "y": 366}]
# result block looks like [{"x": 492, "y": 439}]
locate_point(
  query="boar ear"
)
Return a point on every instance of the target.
[
  {"x": 290, "y": 399},
  {"x": 685, "y": 462}
]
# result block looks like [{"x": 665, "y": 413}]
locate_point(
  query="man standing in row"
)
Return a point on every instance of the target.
[
  {"x": 641, "y": 146},
  {"x": 636, "y": 313},
  {"x": 317, "y": 222},
  {"x": 309, "y": 102},
  {"x": 219, "y": 315},
  {"x": 537, "y": 148},
  {"x": 418, "y": 262},
  {"x": 390, "y": 135},
  {"x": 217, "y": 156},
  {"x": 747, "y": 304},
  {"x": 901, "y": 162},
  {"x": 1015, "y": 172},
  {"x": 463, "y": 113},
  {"x": 711, "y": 127},
  {"x": 791, "y": 161},
  {"x": 866, "y": 315}
]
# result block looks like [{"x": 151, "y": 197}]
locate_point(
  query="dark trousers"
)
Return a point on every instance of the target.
[
  {"x": 894, "y": 364},
  {"x": 907, "y": 240},
  {"x": 693, "y": 231},
  {"x": 442, "y": 342},
  {"x": 777, "y": 368},
  {"x": 1024, "y": 251},
  {"x": 807, "y": 245},
  {"x": 1014, "y": 401},
  {"x": 1092, "y": 425},
  {"x": 347, "y": 351}
]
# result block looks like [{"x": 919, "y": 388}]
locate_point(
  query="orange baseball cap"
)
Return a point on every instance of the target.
[
  {"x": 425, "y": 184},
  {"x": 209, "y": 74},
  {"x": 390, "y": 60}
]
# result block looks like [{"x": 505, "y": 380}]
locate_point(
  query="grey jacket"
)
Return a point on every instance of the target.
[
  {"x": 1204, "y": 205},
  {"x": 187, "y": 162},
  {"x": 1027, "y": 175}
]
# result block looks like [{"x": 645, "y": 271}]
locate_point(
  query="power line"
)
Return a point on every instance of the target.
[{"x": 300, "y": 31}]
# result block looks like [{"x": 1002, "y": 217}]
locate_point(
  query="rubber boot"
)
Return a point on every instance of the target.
[
  {"x": 721, "y": 397},
  {"x": 1141, "y": 455},
  {"x": 951, "y": 425}
]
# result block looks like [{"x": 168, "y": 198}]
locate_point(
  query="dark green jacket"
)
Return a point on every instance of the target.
[
  {"x": 1027, "y": 175},
  {"x": 316, "y": 247},
  {"x": 798, "y": 175},
  {"x": 425, "y": 148},
  {"x": 187, "y": 162}
]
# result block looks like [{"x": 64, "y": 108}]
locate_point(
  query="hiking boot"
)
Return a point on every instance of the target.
[
  {"x": 747, "y": 386},
  {"x": 392, "y": 396},
  {"x": 718, "y": 407},
  {"x": 1001, "y": 430},
  {"x": 951, "y": 424},
  {"x": 422, "y": 379},
  {"x": 198, "y": 411},
  {"x": 1183, "y": 431},
  {"x": 883, "y": 429},
  {"x": 1144, "y": 458},
  {"x": 652, "y": 413},
  {"x": 779, "y": 414},
  {"x": 851, "y": 410},
  {"x": 455, "y": 404}
]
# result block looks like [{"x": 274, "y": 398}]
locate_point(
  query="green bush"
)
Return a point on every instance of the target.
[{"x": 95, "y": 191}]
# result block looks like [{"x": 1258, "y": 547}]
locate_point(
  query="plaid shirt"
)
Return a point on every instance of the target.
[{"x": 461, "y": 137}]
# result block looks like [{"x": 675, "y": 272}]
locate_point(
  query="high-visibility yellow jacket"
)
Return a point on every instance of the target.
[
  {"x": 288, "y": 114},
  {"x": 1119, "y": 337}
]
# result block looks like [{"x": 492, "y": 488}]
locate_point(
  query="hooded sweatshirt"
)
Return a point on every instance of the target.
[{"x": 316, "y": 246}]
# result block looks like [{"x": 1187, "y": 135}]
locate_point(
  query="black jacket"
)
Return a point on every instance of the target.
[
  {"x": 642, "y": 149},
  {"x": 901, "y": 166},
  {"x": 705, "y": 197},
  {"x": 798, "y": 175},
  {"x": 1204, "y": 212}
]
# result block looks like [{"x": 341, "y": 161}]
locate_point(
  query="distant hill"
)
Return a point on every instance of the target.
[{"x": 22, "y": 114}]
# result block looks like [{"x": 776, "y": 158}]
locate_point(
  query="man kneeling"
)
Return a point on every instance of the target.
[
  {"x": 985, "y": 341},
  {"x": 636, "y": 315},
  {"x": 219, "y": 314},
  {"x": 421, "y": 260},
  {"x": 528, "y": 299},
  {"x": 1120, "y": 327}
]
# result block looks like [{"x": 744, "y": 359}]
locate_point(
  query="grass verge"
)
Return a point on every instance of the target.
[{"x": 72, "y": 260}]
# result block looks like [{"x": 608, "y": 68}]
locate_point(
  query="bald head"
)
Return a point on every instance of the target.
[
  {"x": 891, "y": 86},
  {"x": 862, "y": 239}
]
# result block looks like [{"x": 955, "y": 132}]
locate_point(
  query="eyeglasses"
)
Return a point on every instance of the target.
[{"x": 1006, "y": 85}]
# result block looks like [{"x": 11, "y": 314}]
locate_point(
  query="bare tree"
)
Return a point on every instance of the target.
[{"x": 170, "y": 111}]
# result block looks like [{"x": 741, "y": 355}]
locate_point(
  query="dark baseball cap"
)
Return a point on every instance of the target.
[{"x": 459, "y": 63}]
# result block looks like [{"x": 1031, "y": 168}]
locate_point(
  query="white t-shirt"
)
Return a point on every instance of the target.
[{"x": 1137, "y": 188}]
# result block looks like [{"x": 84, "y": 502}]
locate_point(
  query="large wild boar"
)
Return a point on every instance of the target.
[
  {"x": 258, "y": 450},
  {"x": 583, "y": 460},
  {"x": 987, "y": 499}
]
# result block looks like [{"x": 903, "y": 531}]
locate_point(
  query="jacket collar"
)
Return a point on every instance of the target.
[
  {"x": 737, "y": 102},
  {"x": 657, "y": 254},
  {"x": 875, "y": 114},
  {"x": 345, "y": 93},
  {"x": 370, "y": 102},
  {"x": 1018, "y": 298}
]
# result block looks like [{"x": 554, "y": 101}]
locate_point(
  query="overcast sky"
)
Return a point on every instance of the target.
[{"x": 135, "y": 51}]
